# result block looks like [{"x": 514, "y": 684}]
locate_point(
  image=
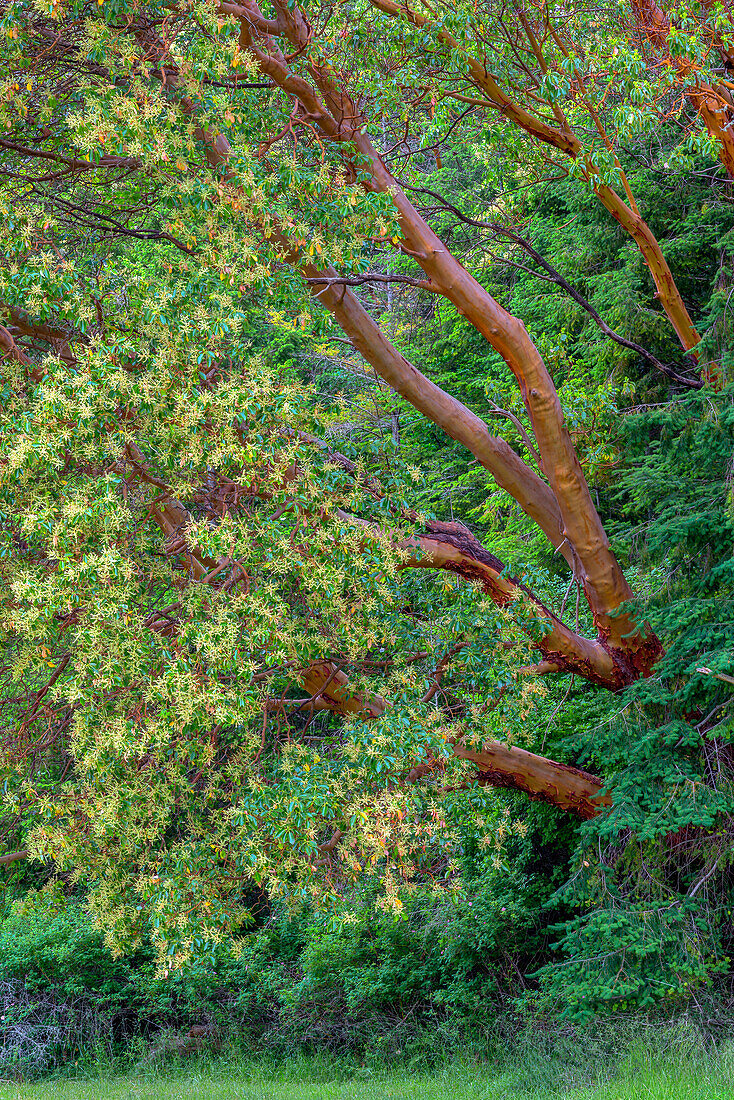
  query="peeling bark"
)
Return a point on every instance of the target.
[
  {"x": 498, "y": 765},
  {"x": 570, "y": 789},
  {"x": 451, "y": 547}
]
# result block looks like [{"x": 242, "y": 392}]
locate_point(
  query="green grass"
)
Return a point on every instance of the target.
[{"x": 645, "y": 1075}]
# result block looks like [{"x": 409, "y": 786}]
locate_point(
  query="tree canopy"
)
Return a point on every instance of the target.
[{"x": 366, "y": 450}]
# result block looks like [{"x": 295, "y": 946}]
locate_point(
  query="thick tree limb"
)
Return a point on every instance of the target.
[
  {"x": 498, "y": 765},
  {"x": 562, "y": 138},
  {"x": 14, "y": 857},
  {"x": 570, "y": 789},
  {"x": 556, "y": 277},
  {"x": 451, "y": 547},
  {"x": 596, "y": 567}
]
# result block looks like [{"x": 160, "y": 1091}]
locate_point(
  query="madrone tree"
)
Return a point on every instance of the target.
[{"x": 195, "y": 578}]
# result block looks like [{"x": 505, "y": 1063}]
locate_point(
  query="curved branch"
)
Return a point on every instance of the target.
[
  {"x": 498, "y": 765},
  {"x": 14, "y": 857},
  {"x": 453, "y": 548},
  {"x": 563, "y": 139},
  {"x": 555, "y": 277}
]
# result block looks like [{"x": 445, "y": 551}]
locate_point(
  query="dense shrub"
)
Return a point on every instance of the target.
[
  {"x": 65, "y": 993},
  {"x": 366, "y": 982},
  {"x": 53, "y": 946}
]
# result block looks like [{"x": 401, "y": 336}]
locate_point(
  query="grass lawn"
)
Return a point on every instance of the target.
[{"x": 643, "y": 1077}]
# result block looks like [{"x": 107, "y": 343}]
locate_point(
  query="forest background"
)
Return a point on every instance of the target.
[{"x": 289, "y": 750}]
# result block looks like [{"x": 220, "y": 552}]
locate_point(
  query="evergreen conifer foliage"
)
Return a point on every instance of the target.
[{"x": 654, "y": 879}]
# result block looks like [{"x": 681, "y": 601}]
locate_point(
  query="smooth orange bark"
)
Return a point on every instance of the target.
[{"x": 565, "y": 141}]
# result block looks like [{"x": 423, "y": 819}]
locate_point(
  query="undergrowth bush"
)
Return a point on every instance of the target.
[
  {"x": 415, "y": 987},
  {"x": 445, "y": 981}
]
